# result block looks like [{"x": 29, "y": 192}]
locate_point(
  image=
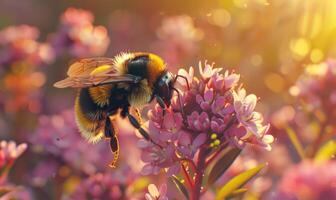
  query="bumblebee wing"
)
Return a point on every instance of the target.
[
  {"x": 86, "y": 66},
  {"x": 95, "y": 80},
  {"x": 93, "y": 72}
]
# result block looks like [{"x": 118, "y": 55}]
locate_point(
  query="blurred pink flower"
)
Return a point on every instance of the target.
[
  {"x": 156, "y": 194},
  {"x": 19, "y": 44},
  {"x": 315, "y": 87},
  {"x": 310, "y": 181},
  {"x": 44, "y": 171},
  {"x": 9, "y": 152},
  {"x": 178, "y": 38},
  {"x": 20, "y": 56},
  {"x": 215, "y": 115},
  {"x": 76, "y": 17},
  {"x": 108, "y": 185},
  {"x": 78, "y": 36},
  {"x": 57, "y": 136}
]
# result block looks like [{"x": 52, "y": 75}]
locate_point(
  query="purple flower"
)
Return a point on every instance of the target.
[
  {"x": 156, "y": 194},
  {"x": 216, "y": 114},
  {"x": 199, "y": 122},
  {"x": 157, "y": 158}
]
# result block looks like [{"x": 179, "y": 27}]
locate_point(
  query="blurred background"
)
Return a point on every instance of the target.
[{"x": 273, "y": 44}]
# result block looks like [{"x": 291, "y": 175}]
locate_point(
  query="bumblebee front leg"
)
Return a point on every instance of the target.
[
  {"x": 142, "y": 131},
  {"x": 137, "y": 113},
  {"x": 162, "y": 104},
  {"x": 110, "y": 134}
]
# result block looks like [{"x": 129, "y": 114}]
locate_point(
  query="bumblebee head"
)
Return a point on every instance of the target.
[{"x": 164, "y": 87}]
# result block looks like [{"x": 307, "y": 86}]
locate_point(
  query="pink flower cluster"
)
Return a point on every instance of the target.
[
  {"x": 78, "y": 36},
  {"x": 18, "y": 44},
  {"x": 309, "y": 180},
  {"x": 316, "y": 87},
  {"x": 216, "y": 114}
]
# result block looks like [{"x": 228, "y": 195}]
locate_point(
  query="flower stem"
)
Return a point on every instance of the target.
[
  {"x": 196, "y": 190},
  {"x": 187, "y": 176},
  {"x": 191, "y": 163}
]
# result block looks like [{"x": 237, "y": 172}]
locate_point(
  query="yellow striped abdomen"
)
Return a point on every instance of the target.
[{"x": 90, "y": 124}]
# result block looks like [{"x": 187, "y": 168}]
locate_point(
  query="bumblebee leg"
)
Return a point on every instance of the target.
[
  {"x": 161, "y": 103},
  {"x": 142, "y": 131},
  {"x": 137, "y": 113},
  {"x": 114, "y": 144},
  {"x": 109, "y": 131},
  {"x": 110, "y": 134}
]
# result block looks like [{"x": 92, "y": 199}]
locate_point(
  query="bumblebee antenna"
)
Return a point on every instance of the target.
[
  {"x": 181, "y": 104},
  {"x": 185, "y": 78}
]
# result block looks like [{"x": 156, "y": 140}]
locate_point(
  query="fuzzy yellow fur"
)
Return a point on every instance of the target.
[
  {"x": 119, "y": 61},
  {"x": 156, "y": 67},
  {"x": 140, "y": 95},
  {"x": 101, "y": 94},
  {"x": 89, "y": 129}
]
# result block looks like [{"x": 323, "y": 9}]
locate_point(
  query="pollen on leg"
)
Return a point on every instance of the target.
[
  {"x": 114, "y": 144},
  {"x": 115, "y": 159}
]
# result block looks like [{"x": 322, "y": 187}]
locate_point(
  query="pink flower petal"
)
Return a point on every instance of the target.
[
  {"x": 199, "y": 140},
  {"x": 199, "y": 99},
  {"x": 173, "y": 170},
  {"x": 208, "y": 95},
  {"x": 205, "y": 106},
  {"x": 149, "y": 197},
  {"x": 153, "y": 191},
  {"x": 147, "y": 169},
  {"x": 184, "y": 139}
]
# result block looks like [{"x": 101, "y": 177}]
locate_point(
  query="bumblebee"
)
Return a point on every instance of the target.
[{"x": 111, "y": 86}]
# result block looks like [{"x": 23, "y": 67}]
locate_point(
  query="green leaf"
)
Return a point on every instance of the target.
[
  {"x": 237, "y": 182},
  {"x": 180, "y": 186},
  {"x": 223, "y": 164},
  {"x": 237, "y": 193},
  {"x": 326, "y": 152},
  {"x": 296, "y": 142}
]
